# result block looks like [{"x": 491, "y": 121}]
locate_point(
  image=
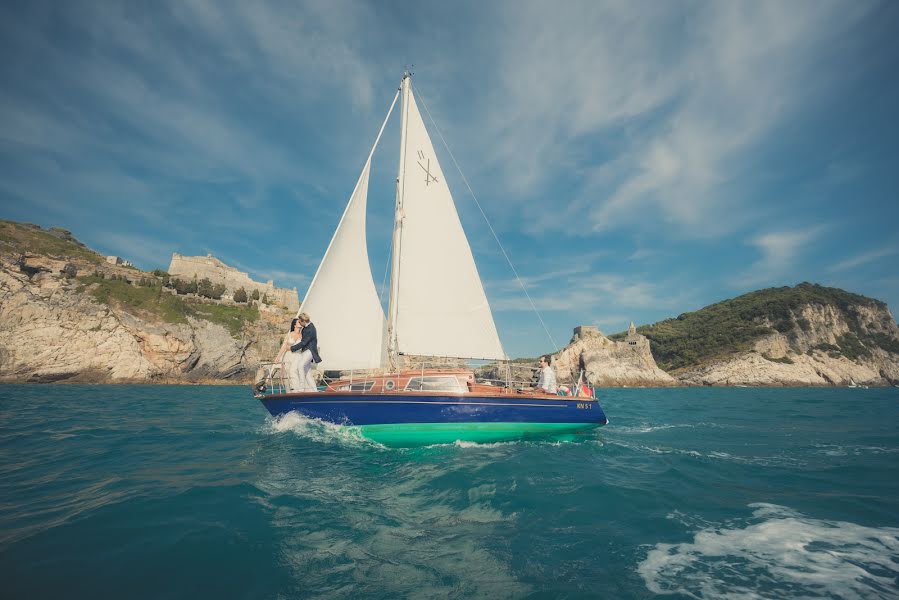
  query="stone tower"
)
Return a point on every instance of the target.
[
  {"x": 636, "y": 341},
  {"x": 216, "y": 271}
]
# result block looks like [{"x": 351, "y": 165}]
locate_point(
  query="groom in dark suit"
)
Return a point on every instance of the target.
[{"x": 309, "y": 340}]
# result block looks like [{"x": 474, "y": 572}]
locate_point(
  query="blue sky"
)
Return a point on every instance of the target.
[{"x": 637, "y": 159}]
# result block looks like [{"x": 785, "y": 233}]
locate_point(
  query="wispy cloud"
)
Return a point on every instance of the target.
[
  {"x": 584, "y": 294},
  {"x": 609, "y": 323},
  {"x": 864, "y": 258},
  {"x": 553, "y": 274},
  {"x": 642, "y": 254},
  {"x": 779, "y": 252},
  {"x": 676, "y": 100},
  {"x": 134, "y": 95},
  {"x": 133, "y": 247},
  {"x": 281, "y": 277},
  {"x": 532, "y": 281}
]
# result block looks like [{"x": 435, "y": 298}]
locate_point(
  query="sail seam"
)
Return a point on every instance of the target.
[{"x": 486, "y": 220}]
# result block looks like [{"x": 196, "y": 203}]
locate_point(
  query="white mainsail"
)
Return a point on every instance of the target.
[{"x": 440, "y": 305}]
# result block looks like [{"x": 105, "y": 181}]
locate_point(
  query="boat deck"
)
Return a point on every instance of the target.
[{"x": 431, "y": 382}]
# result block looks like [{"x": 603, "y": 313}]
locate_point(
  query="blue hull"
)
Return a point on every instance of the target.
[{"x": 420, "y": 417}]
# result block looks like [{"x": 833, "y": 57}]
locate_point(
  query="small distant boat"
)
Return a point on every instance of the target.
[{"x": 437, "y": 309}]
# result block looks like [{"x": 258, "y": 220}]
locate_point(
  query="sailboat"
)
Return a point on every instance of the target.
[{"x": 437, "y": 309}]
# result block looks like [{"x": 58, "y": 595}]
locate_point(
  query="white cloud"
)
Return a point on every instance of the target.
[
  {"x": 136, "y": 248},
  {"x": 861, "y": 259},
  {"x": 549, "y": 272},
  {"x": 612, "y": 323},
  {"x": 779, "y": 252},
  {"x": 642, "y": 254},
  {"x": 153, "y": 89},
  {"x": 281, "y": 277},
  {"x": 674, "y": 95},
  {"x": 585, "y": 293}
]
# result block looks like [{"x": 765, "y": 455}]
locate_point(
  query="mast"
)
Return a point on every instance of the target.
[{"x": 396, "y": 247}]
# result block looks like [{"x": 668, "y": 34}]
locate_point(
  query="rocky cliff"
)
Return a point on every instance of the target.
[
  {"x": 68, "y": 315},
  {"x": 826, "y": 346},
  {"x": 802, "y": 335},
  {"x": 56, "y": 325},
  {"x": 609, "y": 363}
]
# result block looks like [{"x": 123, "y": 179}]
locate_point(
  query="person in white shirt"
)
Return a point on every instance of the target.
[{"x": 547, "y": 381}]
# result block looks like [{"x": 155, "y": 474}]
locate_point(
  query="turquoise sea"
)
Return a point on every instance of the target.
[{"x": 194, "y": 492}]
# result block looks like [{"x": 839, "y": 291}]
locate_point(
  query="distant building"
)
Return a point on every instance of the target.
[
  {"x": 582, "y": 331},
  {"x": 211, "y": 268},
  {"x": 635, "y": 340},
  {"x": 116, "y": 260}
]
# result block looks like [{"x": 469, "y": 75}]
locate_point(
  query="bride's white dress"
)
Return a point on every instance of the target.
[
  {"x": 298, "y": 366},
  {"x": 293, "y": 367}
]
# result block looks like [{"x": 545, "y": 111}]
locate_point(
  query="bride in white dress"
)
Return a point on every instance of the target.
[{"x": 292, "y": 364}]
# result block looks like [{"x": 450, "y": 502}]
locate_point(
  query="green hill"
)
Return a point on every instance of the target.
[
  {"x": 732, "y": 326},
  {"x": 25, "y": 238}
]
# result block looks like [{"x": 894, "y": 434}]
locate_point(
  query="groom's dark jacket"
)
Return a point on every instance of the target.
[{"x": 309, "y": 341}]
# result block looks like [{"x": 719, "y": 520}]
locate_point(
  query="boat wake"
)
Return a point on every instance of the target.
[
  {"x": 782, "y": 461},
  {"x": 777, "y": 552},
  {"x": 849, "y": 450},
  {"x": 651, "y": 428},
  {"x": 317, "y": 430}
]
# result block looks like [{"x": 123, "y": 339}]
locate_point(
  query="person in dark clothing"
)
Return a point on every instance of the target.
[{"x": 307, "y": 348}]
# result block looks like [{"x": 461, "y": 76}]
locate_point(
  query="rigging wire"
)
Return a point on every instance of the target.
[{"x": 486, "y": 220}]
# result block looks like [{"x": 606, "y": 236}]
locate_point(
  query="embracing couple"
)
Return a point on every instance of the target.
[{"x": 299, "y": 351}]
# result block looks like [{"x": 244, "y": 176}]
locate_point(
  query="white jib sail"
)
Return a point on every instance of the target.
[
  {"x": 342, "y": 300},
  {"x": 441, "y": 306}
]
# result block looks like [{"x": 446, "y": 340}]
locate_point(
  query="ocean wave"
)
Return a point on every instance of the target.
[
  {"x": 777, "y": 552},
  {"x": 763, "y": 461},
  {"x": 651, "y": 428},
  {"x": 646, "y": 428},
  {"x": 838, "y": 450}
]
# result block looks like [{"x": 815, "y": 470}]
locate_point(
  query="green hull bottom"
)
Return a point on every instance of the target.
[{"x": 406, "y": 435}]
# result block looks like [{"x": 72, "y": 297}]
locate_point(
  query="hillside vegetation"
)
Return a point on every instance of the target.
[
  {"x": 129, "y": 289},
  {"x": 732, "y": 326},
  {"x": 24, "y": 238},
  {"x": 150, "y": 298}
]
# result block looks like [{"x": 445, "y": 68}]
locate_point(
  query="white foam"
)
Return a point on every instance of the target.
[
  {"x": 650, "y": 428},
  {"x": 318, "y": 430},
  {"x": 778, "y": 553},
  {"x": 765, "y": 461},
  {"x": 482, "y": 445},
  {"x": 647, "y": 428},
  {"x": 837, "y": 450}
]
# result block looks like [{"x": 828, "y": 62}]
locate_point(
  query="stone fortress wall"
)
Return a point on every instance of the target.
[{"x": 188, "y": 267}]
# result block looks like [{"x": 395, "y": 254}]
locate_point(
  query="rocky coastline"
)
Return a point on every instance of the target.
[{"x": 68, "y": 316}]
